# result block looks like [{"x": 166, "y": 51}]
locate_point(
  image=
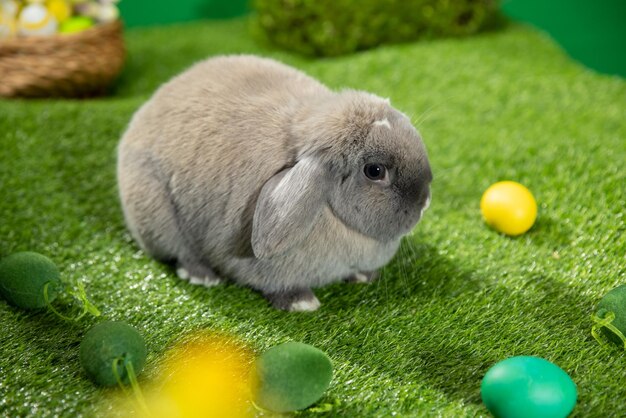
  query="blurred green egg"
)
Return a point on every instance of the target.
[
  {"x": 75, "y": 24},
  {"x": 292, "y": 376},
  {"x": 109, "y": 343},
  {"x": 23, "y": 277}
]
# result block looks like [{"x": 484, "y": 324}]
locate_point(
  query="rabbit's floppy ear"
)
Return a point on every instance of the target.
[{"x": 288, "y": 207}]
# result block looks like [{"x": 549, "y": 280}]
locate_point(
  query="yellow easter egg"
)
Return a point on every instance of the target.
[
  {"x": 8, "y": 18},
  {"x": 9, "y": 8},
  {"x": 60, "y": 9},
  {"x": 7, "y": 26},
  {"x": 509, "y": 207}
]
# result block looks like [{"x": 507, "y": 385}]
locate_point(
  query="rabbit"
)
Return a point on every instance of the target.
[{"x": 245, "y": 168}]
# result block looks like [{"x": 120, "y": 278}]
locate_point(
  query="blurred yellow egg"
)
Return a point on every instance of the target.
[
  {"x": 509, "y": 207},
  {"x": 60, "y": 9},
  {"x": 8, "y": 14},
  {"x": 204, "y": 378}
]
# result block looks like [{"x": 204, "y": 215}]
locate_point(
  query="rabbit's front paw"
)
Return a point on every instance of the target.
[
  {"x": 197, "y": 274},
  {"x": 294, "y": 300}
]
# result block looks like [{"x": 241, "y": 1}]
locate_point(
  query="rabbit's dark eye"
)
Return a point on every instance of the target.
[{"x": 375, "y": 171}]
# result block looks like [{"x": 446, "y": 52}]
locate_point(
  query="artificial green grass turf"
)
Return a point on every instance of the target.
[{"x": 456, "y": 299}]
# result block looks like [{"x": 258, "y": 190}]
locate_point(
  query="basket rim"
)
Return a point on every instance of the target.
[{"x": 60, "y": 38}]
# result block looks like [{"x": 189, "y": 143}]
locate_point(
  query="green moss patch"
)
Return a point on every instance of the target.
[
  {"x": 27, "y": 278},
  {"x": 292, "y": 376},
  {"x": 107, "y": 348},
  {"x": 330, "y": 27}
]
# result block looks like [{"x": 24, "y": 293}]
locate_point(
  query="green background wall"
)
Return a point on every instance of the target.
[
  {"x": 591, "y": 31},
  {"x": 156, "y": 12}
]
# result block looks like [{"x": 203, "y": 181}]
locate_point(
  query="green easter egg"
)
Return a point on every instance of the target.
[
  {"x": 23, "y": 277},
  {"x": 292, "y": 376},
  {"x": 528, "y": 387},
  {"x": 103, "y": 344},
  {"x": 75, "y": 24},
  {"x": 615, "y": 302}
]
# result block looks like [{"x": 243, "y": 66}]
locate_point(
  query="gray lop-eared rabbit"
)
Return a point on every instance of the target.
[{"x": 245, "y": 168}]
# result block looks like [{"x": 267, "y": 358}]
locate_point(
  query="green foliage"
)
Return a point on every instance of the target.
[
  {"x": 614, "y": 304},
  {"x": 335, "y": 27}
]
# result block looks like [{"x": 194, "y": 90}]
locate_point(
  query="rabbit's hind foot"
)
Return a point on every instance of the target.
[{"x": 197, "y": 274}]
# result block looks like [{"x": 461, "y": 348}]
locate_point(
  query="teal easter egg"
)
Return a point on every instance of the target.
[
  {"x": 23, "y": 277},
  {"x": 103, "y": 344},
  {"x": 528, "y": 387},
  {"x": 614, "y": 304},
  {"x": 292, "y": 376}
]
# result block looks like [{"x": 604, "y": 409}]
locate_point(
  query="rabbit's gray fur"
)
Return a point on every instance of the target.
[{"x": 249, "y": 168}]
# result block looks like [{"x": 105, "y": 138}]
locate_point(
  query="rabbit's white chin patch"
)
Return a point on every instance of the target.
[
  {"x": 426, "y": 206},
  {"x": 305, "y": 305}
]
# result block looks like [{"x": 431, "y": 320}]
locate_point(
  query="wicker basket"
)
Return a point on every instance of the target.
[{"x": 67, "y": 65}]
